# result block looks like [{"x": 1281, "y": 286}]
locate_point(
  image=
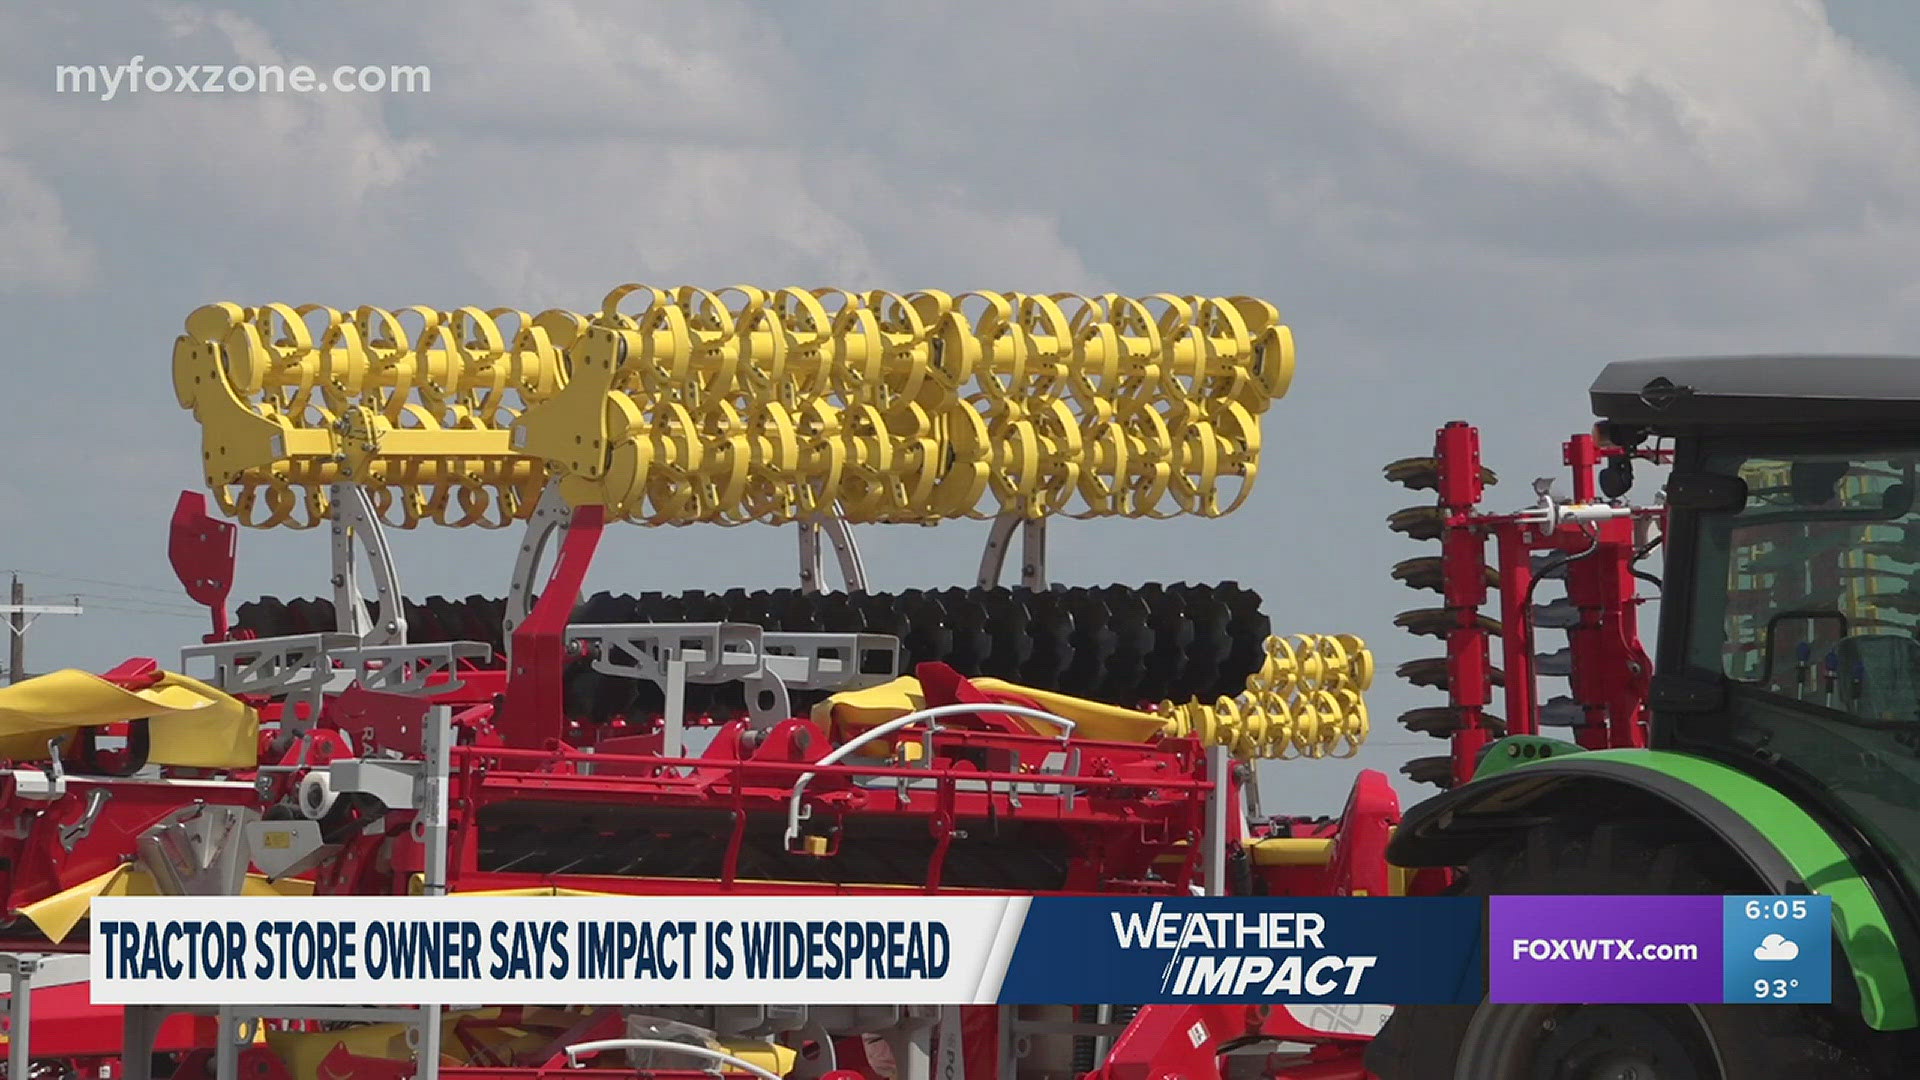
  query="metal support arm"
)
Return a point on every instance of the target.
[
  {"x": 853, "y": 572},
  {"x": 1033, "y": 551},
  {"x": 355, "y": 524},
  {"x": 550, "y": 518}
]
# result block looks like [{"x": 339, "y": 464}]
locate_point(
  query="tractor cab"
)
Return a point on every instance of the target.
[{"x": 1790, "y": 624}]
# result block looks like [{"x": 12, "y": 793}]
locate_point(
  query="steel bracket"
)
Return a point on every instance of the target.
[
  {"x": 199, "y": 850},
  {"x": 551, "y": 515},
  {"x": 853, "y": 571},
  {"x": 306, "y": 668},
  {"x": 1033, "y": 551},
  {"x": 356, "y": 524}
]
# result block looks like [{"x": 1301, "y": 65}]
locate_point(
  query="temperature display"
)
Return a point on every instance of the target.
[{"x": 1779, "y": 949}]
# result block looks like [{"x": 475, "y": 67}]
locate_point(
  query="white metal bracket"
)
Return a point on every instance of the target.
[
  {"x": 853, "y": 572},
  {"x": 551, "y": 516},
  {"x": 1033, "y": 551},
  {"x": 356, "y": 525}
]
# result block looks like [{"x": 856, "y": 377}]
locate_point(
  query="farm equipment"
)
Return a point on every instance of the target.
[
  {"x": 1771, "y": 750},
  {"x": 1033, "y": 739},
  {"x": 1037, "y": 739}
]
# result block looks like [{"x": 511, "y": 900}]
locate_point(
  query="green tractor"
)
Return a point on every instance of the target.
[{"x": 1782, "y": 738}]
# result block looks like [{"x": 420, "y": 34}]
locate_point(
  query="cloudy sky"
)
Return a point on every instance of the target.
[{"x": 1463, "y": 207}]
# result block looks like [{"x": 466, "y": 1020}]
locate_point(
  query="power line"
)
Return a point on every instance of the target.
[
  {"x": 20, "y": 616},
  {"x": 125, "y": 585},
  {"x": 151, "y": 612},
  {"x": 113, "y": 598}
]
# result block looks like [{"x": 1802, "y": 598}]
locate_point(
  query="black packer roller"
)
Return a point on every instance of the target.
[{"x": 1122, "y": 644}]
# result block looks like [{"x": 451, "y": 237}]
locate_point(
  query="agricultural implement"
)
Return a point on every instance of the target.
[{"x": 1032, "y": 738}]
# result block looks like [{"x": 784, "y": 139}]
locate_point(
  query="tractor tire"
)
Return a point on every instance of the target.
[{"x": 1600, "y": 1042}]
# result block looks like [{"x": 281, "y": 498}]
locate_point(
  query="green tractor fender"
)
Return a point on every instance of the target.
[{"x": 1525, "y": 780}]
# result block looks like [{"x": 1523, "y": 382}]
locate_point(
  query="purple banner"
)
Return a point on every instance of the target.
[{"x": 1605, "y": 949}]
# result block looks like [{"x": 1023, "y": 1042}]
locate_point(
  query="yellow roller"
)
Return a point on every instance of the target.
[
  {"x": 414, "y": 405},
  {"x": 673, "y": 406},
  {"x": 1307, "y": 700}
]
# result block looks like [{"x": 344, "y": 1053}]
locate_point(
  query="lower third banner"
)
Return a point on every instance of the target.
[
  {"x": 925, "y": 950},
  {"x": 1372, "y": 950}
]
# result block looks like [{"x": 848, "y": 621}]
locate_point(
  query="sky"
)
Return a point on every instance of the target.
[{"x": 1463, "y": 208}]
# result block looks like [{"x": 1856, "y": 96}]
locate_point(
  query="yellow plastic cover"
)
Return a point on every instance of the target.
[
  {"x": 190, "y": 724},
  {"x": 57, "y": 915},
  {"x": 303, "y": 1052},
  {"x": 872, "y": 706}
]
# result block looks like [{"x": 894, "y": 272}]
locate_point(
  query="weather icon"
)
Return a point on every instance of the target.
[{"x": 1776, "y": 947}]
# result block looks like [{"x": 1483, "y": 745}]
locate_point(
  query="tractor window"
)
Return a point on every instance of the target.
[
  {"x": 1807, "y": 599},
  {"x": 1813, "y": 592}
]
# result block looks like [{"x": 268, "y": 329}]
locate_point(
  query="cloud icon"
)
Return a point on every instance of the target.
[{"x": 1776, "y": 947}]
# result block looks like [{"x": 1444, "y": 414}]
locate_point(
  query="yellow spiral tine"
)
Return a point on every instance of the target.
[
  {"x": 1359, "y": 662},
  {"x": 1335, "y": 664},
  {"x": 1312, "y": 665},
  {"x": 1277, "y": 735},
  {"x": 1229, "y": 723},
  {"x": 1281, "y": 670},
  {"x": 1308, "y": 727},
  {"x": 1355, "y": 723},
  {"x": 1250, "y": 740}
]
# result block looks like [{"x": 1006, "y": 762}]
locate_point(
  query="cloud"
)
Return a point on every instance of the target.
[
  {"x": 40, "y": 252},
  {"x": 568, "y": 72},
  {"x": 1702, "y": 111},
  {"x": 285, "y": 160},
  {"x": 1598, "y": 180},
  {"x": 1776, "y": 947},
  {"x": 1464, "y": 207},
  {"x": 702, "y": 155},
  {"x": 565, "y": 148}
]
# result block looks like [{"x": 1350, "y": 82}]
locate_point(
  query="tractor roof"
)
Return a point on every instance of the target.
[{"x": 1801, "y": 392}]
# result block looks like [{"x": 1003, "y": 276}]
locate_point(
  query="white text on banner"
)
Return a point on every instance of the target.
[{"x": 853, "y": 950}]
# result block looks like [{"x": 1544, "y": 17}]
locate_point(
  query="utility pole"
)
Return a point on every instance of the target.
[
  {"x": 17, "y": 640},
  {"x": 20, "y": 616}
]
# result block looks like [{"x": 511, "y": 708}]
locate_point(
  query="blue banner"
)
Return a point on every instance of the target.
[
  {"x": 960, "y": 950},
  {"x": 1369, "y": 950}
]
